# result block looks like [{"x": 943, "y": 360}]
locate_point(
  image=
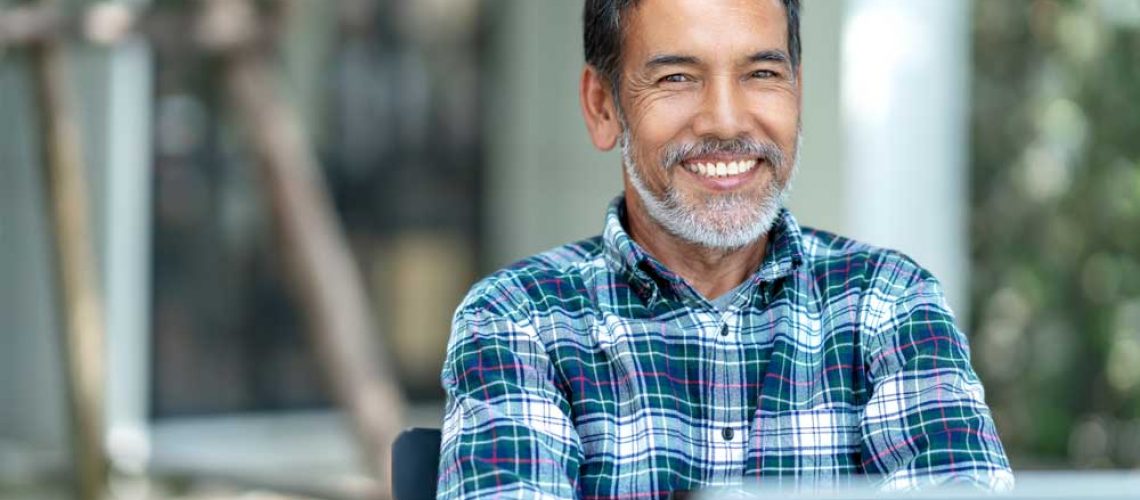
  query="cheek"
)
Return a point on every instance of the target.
[
  {"x": 656, "y": 127},
  {"x": 779, "y": 117},
  {"x": 663, "y": 119}
]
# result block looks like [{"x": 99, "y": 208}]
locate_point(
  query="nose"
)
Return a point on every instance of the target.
[{"x": 723, "y": 113}]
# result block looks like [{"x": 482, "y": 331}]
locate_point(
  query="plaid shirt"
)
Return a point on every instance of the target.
[{"x": 593, "y": 371}]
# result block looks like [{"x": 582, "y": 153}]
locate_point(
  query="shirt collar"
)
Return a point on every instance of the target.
[{"x": 783, "y": 255}]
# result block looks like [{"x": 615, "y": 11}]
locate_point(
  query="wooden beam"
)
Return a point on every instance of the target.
[
  {"x": 80, "y": 298},
  {"x": 323, "y": 275},
  {"x": 322, "y": 272},
  {"x": 29, "y": 23}
]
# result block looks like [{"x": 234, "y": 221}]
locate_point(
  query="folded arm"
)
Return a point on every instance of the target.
[
  {"x": 507, "y": 430},
  {"x": 926, "y": 422}
]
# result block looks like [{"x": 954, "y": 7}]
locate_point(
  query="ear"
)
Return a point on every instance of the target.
[{"x": 599, "y": 110}]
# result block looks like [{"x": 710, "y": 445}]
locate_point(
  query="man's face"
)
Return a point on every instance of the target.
[{"x": 710, "y": 109}]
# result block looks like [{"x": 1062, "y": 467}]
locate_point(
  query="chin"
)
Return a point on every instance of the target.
[{"x": 723, "y": 222}]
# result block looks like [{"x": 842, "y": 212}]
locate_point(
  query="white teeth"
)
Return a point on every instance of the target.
[{"x": 721, "y": 169}]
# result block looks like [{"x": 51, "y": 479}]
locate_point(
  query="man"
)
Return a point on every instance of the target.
[{"x": 705, "y": 338}]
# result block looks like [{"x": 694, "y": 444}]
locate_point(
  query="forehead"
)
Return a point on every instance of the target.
[{"x": 715, "y": 27}]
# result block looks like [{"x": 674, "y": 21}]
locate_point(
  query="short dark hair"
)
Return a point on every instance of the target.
[{"x": 602, "y": 34}]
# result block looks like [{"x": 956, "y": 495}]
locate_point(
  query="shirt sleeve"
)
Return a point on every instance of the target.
[
  {"x": 926, "y": 422},
  {"x": 507, "y": 430}
]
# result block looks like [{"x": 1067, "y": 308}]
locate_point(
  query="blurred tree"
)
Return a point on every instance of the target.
[{"x": 1055, "y": 228}]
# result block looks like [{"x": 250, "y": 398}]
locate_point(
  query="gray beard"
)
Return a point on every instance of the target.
[{"x": 722, "y": 222}]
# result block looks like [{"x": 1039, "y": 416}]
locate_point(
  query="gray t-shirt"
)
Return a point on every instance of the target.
[{"x": 723, "y": 301}]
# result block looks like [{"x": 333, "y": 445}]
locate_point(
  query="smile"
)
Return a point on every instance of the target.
[{"x": 721, "y": 169}]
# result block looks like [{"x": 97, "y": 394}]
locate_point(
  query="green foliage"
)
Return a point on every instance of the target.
[{"x": 1055, "y": 226}]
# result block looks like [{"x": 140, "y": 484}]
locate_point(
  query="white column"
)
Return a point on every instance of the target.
[
  {"x": 905, "y": 105},
  {"x": 126, "y": 274}
]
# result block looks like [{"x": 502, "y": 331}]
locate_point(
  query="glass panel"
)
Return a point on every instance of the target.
[{"x": 390, "y": 95}]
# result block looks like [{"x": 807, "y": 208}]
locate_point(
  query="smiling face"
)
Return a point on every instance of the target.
[{"x": 709, "y": 117}]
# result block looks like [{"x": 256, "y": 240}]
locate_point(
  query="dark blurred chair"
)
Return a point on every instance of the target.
[{"x": 415, "y": 464}]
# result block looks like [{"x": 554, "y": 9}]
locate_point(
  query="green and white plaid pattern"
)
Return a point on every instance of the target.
[{"x": 592, "y": 371}]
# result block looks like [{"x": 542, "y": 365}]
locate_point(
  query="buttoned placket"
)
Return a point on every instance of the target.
[{"x": 728, "y": 432}]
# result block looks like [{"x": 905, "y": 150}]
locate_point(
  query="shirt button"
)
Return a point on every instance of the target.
[
  {"x": 724, "y": 331},
  {"x": 727, "y": 433}
]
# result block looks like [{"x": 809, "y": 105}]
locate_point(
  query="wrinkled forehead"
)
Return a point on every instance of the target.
[{"x": 708, "y": 29}]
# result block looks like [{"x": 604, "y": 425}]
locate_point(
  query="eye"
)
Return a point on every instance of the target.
[
  {"x": 765, "y": 74},
  {"x": 675, "y": 78}
]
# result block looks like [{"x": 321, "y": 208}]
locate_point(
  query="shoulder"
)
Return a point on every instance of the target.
[
  {"x": 538, "y": 282},
  {"x": 836, "y": 261},
  {"x": 884, "y": 287}
]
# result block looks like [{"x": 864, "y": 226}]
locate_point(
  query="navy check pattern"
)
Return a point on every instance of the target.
[{"x": 592, "y": 371}]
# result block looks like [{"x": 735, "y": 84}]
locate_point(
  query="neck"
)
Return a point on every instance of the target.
[{"x": 711, "y": 271}]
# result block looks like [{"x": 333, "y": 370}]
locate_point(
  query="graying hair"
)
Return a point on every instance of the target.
[{"x": 602, "y": 34}]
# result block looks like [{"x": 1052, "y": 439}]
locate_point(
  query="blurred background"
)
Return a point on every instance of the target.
[{"x": 994, "y": 142}]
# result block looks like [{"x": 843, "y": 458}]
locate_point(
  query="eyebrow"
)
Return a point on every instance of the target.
[
  {"x": 776, "y": 56},
  {"x": 671, "y": 60},
  {"x": 770, "y": 56}
]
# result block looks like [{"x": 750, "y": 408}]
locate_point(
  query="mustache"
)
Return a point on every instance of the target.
[{"x": 675, "y": 154}]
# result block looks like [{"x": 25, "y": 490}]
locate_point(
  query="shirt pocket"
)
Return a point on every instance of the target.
[{"x": 815, "y": 446}]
